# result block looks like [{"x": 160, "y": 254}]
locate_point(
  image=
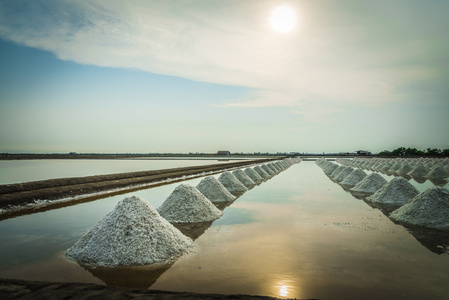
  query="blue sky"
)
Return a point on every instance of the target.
[{"x": 187, "y": 76}]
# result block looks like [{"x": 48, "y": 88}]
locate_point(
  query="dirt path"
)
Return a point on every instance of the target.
[{"x": 18, "y": 199}]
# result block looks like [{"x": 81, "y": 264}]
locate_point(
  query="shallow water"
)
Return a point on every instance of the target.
[
  {"x": 297, "y": 235},
  {"x": 14, "y": 171}
]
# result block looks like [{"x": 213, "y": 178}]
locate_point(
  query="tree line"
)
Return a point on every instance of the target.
[{"x": 402, "y": 151}]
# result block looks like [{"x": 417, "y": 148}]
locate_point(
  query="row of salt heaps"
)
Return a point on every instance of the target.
[
  {"x": 135, "y": 233},
  {"x": 420, "y": 169},
  {"x": 428, "y": 209}
]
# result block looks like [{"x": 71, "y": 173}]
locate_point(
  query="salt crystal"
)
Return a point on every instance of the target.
[
  {"x": 186, "y": 204},
  {"x": 214, "y": 190},
  {"x": 131, "y": 234},
  {"x": 428, "y": 209}
]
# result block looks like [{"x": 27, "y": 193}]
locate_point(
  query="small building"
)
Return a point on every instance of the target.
[
  {"x": 226, "y": 153},
  {"x": 363, "y": 153}
]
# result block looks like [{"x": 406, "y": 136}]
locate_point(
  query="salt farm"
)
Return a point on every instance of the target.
[{"x": 345, "y": 228}]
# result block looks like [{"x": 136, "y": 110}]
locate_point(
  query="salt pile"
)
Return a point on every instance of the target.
[
  {"x": 253, "y": 175},
  {"x": 261, "y": 172},
  {"x": 438, "y": 172},
  {"x": 352, "y": 179},
  {"x": 280, "y": 165},
  {"x": 330, "y": 168},
  {"x": 418, "y": 171},
  {"x": 268, "y": 170},
  {"x": 131, "y": 234},
  {"x": 395, "y": 167},
  {"x": 344, "y": 172},
  {"x": 214, "y": 190},
  {"x": 370, "y": 184},
  {"x": 398, "y": 192},
  {"x": 187, "y": 205},
  {"x": 243, "y": 178},
  {"x": 274, "y": 168},
  {"x": 232, "y": 184},
  {"x": 337, "y": 171},
  {"x": 404, "y": 169},
  {"x": 428, "y": 209}
]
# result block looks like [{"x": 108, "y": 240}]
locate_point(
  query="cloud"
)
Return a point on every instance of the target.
[{"x": 334, "y": 55}]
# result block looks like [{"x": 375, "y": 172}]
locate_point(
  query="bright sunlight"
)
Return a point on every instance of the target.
[{"x": 283, "y": 19}]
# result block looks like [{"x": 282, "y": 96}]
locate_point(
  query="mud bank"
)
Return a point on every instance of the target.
[
  {"x": 22, "y": 289},
  {"x": 21, "y": 195}
]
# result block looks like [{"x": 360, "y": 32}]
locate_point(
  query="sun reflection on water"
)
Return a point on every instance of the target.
[{"x": 283, "y": 291}]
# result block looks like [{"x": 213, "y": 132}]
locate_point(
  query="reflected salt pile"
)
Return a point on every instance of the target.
[
  {"x": 369, "y": 185},
  {"x": 232, "y": 184},
  {"x": 354, "y": 178},
  {"x": 186, "y": 204},
  {"x": 434, "y": 240},
  {"x": 428, "y": 209},
  {"x": 132, "y": 234},
  {"x": 141, "y": 277},
  {"x": 262, "y": 173},
  {"x": 243, "y": 178},
  {"x": 214, "y": 190},
  {"x": 398, "y": 192},
  {"x": 253, "y": 175},
  {"x": 193, "y": 230}
]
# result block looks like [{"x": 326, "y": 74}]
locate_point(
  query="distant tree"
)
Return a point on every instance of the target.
[
  {"x": 433, "y": 152},
  {"x": 402, "y": 151}
]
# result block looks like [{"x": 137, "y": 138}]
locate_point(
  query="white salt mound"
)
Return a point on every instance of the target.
[
  {"x": 438, "y": 172},
  {"x": 336, "y": 171},
  {"x": 268, "y": 170},
  {"x": 370, "y": 184},
  {"x": 330, "y": 168},
  {"x": 419, "y": 171},
  {"x": 214, "y": 190},
  {"x": 232, "y": 184},
  {"x": 261, "y": 172},
  {"x": 343, "y": 174},
  {"x": 404, "y": 169},
  {"x": 429, "y": 209},
  {"x": 398, "y": 192},
  {"x": 352, "y": 179},
  {"x": 243, "y": 178},
  {"x": 131, "y": 234},
  {"x": 186, "y": 204},
  {"x": 253, "y": 175}
]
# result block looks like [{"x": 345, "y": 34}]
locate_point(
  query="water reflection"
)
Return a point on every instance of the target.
[
  {"x": 141, "y": 277},
  {"x": 434, "y": 240},
  {"x": 419, "y": 180},
  {"x": 193, "y": 230}
]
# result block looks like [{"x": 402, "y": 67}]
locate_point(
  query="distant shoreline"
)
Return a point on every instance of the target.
[
  {"x": 13, "y": 156},
  {"x": 160, "y": 156}
]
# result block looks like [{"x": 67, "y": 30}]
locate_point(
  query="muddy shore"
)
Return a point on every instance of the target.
[
  {"x": 22, "y": 197},
  {"x": 23, "y": 289}
]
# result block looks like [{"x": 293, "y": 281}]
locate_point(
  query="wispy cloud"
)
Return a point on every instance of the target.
[{"x": 332, "y": 55}]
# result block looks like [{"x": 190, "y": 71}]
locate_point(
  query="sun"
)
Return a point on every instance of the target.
[{"x": 283, "y": 19}]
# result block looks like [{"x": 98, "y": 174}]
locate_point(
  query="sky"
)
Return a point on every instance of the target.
[{"x": 145, "y": 76}]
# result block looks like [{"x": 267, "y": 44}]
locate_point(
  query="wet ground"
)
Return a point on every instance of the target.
[{"x": 297, "y": 235}]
